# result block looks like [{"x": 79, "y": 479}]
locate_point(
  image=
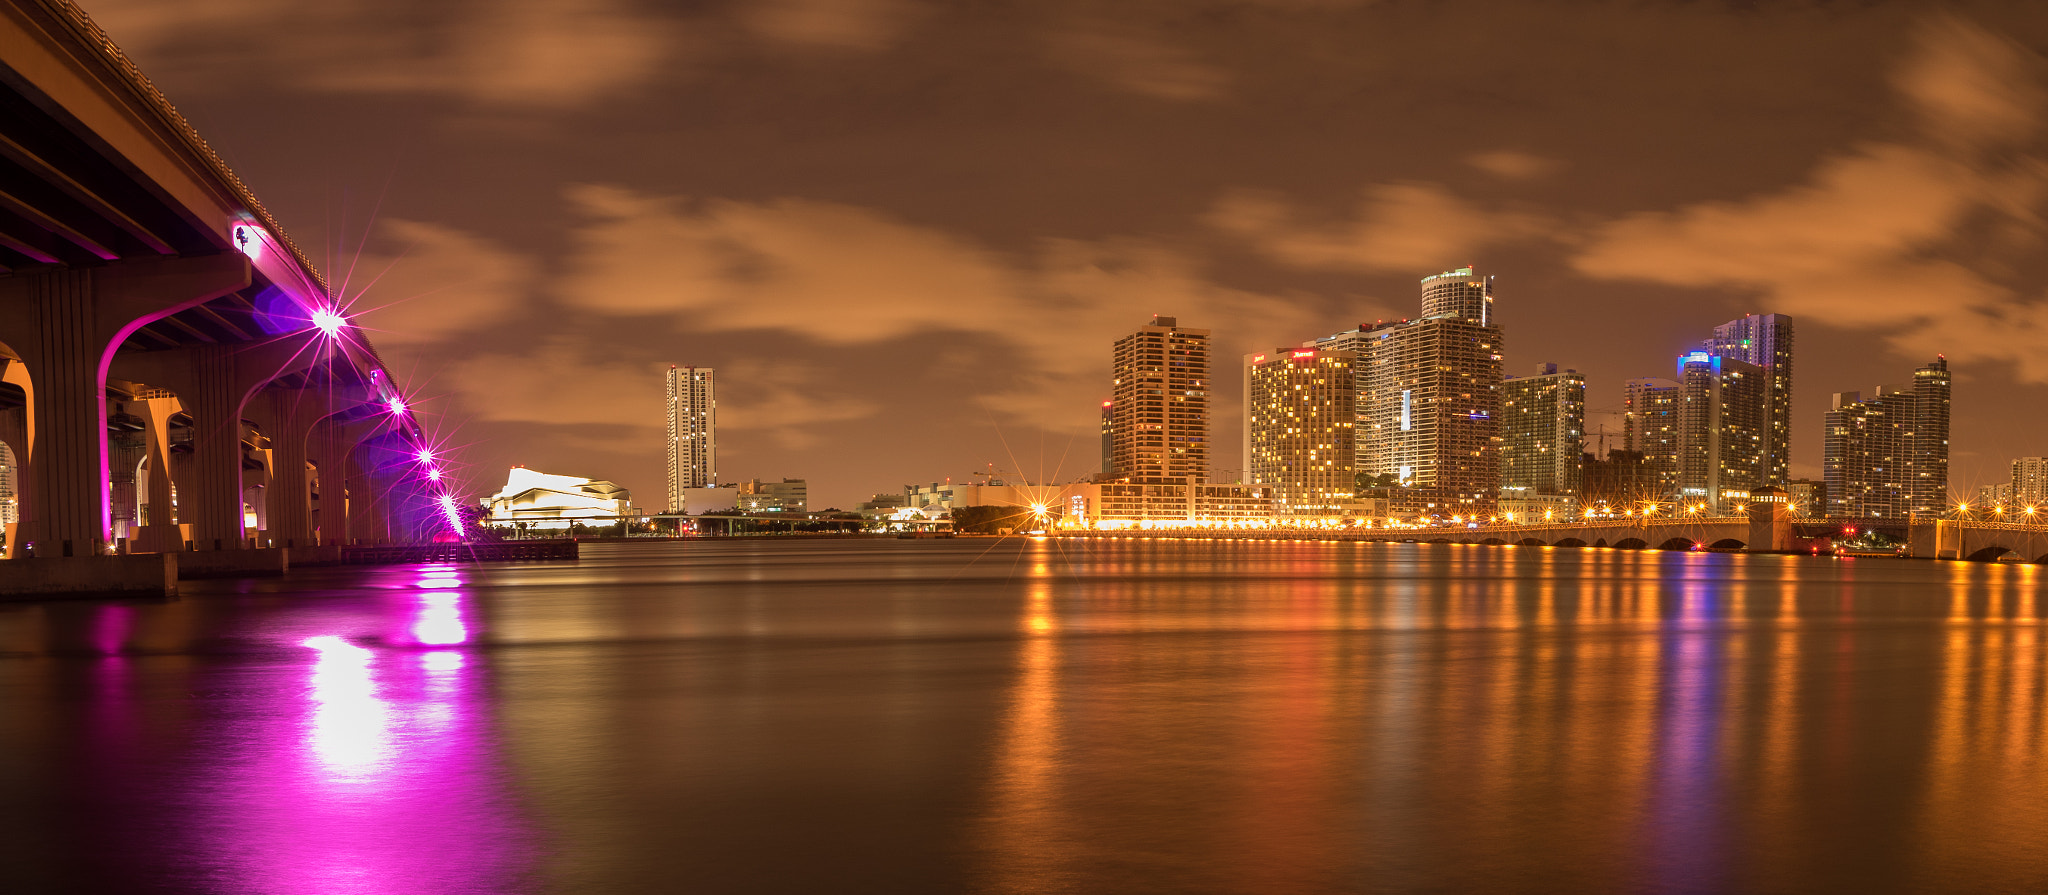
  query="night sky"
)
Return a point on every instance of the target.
[{"x": 906, "y": 233}]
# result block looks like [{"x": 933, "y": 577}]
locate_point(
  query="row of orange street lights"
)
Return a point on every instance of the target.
[{"x": 2029, "y": 511}]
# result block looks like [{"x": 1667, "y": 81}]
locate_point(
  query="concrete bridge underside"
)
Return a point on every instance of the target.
[{"x": 170, "y": 363}]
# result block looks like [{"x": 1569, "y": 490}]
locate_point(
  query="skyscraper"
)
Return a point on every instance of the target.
[
  {"x": 1650, "y": 428},
  {"x": 1160, "y": 409},
  {"x": 692, "y": 432},
  {"x": 1887, "y": 456},
  {"x": 1930, "y": 437},
  {"x": 1764, "y": 340},
  {"x": 1300, "y": 426},
  {"x": 1721, "y": 412},
  {"x": 1429, "y": 396},
  {"x": 1543, "y": 439}
]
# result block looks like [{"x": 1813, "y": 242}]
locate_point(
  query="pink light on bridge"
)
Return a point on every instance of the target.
[
  {"x": 454, "y": 515},
  {"x": 328, "y": 321},
  {"x": 396, "y": 404}
]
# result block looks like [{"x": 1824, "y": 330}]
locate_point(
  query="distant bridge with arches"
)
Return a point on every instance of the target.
[{"x": 1768, "y": 530}]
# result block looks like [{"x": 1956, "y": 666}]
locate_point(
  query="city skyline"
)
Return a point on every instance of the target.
[{"x": 1149, "y": 163}]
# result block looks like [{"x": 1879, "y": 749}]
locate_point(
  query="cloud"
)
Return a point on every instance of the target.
[
  {"x": 564, "y": 380},
  {"x": 1142, "y": 65},
  {"x": 508, "y": 53},
  {"x": 1974, "y": 88},
  {"x": 1884, "y": 236},
  {"x": 1509, "y": 164},
  {"x": 1399, "y": 227},
  {"x": 428, "y": 282},
  {"x": 843, "y": 24},
  {"x": 840, "y": 277}
]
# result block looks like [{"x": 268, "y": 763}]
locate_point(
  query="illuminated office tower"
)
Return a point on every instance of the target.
[
  {"x": 1543, "y": 439},
  {"x": 1429, "y": 397},
  {"x": 1765, "y": 340},
  {"x": 1650, "y": 428},
  {"x": 1300, "y": 425},
  {"x": 692, "y": 432},
  {"x": 1887, "y": 456},
  {"x": 2029, "y": 486},
  {"x": 1159, "y": 413},
  {"x": 1720, "y": 417}
]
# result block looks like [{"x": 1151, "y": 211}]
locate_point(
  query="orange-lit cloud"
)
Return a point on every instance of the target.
[
  {"x": 833, "y": 274},
  {"x": 426, "y": 282},
  {"x": 845, "y": 24},
  {"x": 1399, "y": 227},
  {"x": 510, "y": 53},
  {"x": 1137, "y": 63},
  {"x": 1886, "y": 236}
]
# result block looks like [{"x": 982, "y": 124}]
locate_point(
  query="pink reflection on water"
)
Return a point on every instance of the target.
[
  {"x": 440, "y": 619},
  {"x": 373, "y": 771}
]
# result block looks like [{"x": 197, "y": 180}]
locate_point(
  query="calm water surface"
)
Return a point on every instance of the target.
[{"x": 1033, "y": 716}]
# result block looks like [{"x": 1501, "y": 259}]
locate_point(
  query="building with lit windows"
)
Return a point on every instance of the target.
[
  {"x": 1650, "y": 428},
  {"x": 1429, "y": 397},
  {"x": 1720, "y": 418},
  {"x": 2029, "y": 487},
  {"x": 1159, "y": 412},
  {"x": 1994, "y": 497},
  {"x": 1886, "y": 456},
  {"x": 1765, "y": 341},
  {"x": 1542, "y": 442},
  {"x": 786, "y": 496},
  {"x": 692, "y": 433},
  {"x": 1809, "y": 498},
  {"x": 1301, "y": 419}
]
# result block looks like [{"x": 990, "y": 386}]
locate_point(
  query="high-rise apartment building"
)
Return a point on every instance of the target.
[
  {"x": 1160, "y": 409},
  {"x": 1543, "y": 436},
  {"x": 1429, "y": 396},
  {"x": 1931, "y": 385},
  {"x": 2030, "y": 482},
  {"x": 1764, "y": 340},
  {"x": 1301, "y": 418},
  {"x": 1720, "y": 417},
  {"x": 692, "y": 432},
  {"x": 1887, "y": 456},
  {"x": 1650, "y": 428}
]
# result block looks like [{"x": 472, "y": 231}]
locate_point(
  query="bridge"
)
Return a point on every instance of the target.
[
  {"x": 1768, "y": 528},
  {"x": 179, "y": 390}
]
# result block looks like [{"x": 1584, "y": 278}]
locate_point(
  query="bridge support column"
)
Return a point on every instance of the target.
[
  {"x": 162, "y": 534},
  {"x": 288, "y": 415},
  {"x": 369, "y": 519},
  {"x": 74, "y": 320},
  {"x": 328, "y": 447}
]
